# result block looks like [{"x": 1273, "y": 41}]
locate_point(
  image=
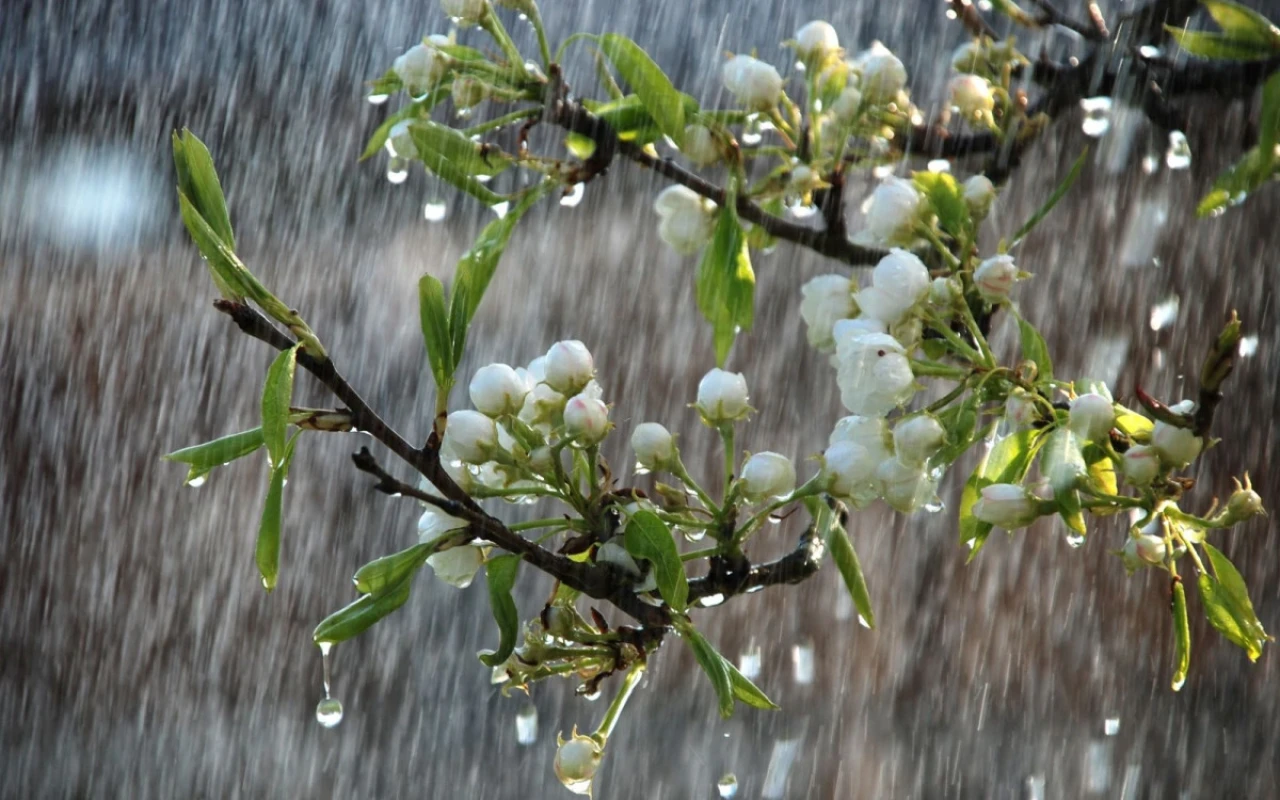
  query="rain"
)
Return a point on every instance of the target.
[{"x": 139, "y": 655}]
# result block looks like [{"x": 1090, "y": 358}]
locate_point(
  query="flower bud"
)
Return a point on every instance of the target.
[
  {"x": 470, "y": 435},
  {"x": 1062, "y": 463},
  {"x": 577, "y": 761},
  {"x": 827, "y": 299},
  {"x": 904, "y": 487},
  {"x": 847, "y": 328},
  {"x": 700, "y": 146},
  {"x": 400, "y": 142},
  {"x": 1243, "y": 503},
  {"x": 1145, "y": 547},
  {"x": 1006, "y": 505},
  {"x": 687, "y": 219},
  {"x": 653, "y": 444},
  {"x": 944, "y": 292},
  {"x": 883, "y": 75},
  {"x": 850, "y": 470},
  {"x": 1177, "y": 447},
  {"x": 569, "y": 367},
  {"x": 972, "y": 96},
  {"x": 979, "y": 194},
  {"x": 816, "y": 41},
  {"x": 722, "y": 397},
  {"x": 464, "y": 12},
  {"x": 457, "y": 566},
  {"x": 873, "y": 374},
  {"x": 869, "y": 432},
  {"x": 969, "y": 58},
  {"x": 995, "y": 277},
  {"x": 894, "y": 210},
  {"x": 754, "y": 83},
  {"x": 768, "y": 475},
  {"x": 845, "y": 107},
  {"x": 468, "y": 92},
  {"x": 497, "y": 389},
  {"x": 899, "y": 281},
  {"x": 586, "y": 419},
  {"x": 541, "y": 407},
  {"x": 1140, "y": 465},
  {"x": 917, "y": 438},
  {"x": 1092, "y": 417},
  {"x": 423, "y": 65},
  {"x": 1019, "y": 409}
]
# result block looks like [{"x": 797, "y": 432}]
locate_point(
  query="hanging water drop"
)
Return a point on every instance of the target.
[
  {"x": 728, "y": 785},
  {"x": 435, "y": 211},
  {"x": 378, "y": 99},
  {"x": 1074, "y": 540},
  {"x": 500, "y": 209},
  {"x": 527, "y": 725},
  {"x": 1097, "y": 116},
  {"x": 1248, "y": 346},
  {"x": 1111, "y": 726},
  {"x": 329, "y": 712},
  {"x": 198, "y": 481},
  {"x": 1178, "y": 155},
  {"x": 396, "y": 173},
  {"x": 574, "y": 196},
  {"x": 939, "y": 165}
]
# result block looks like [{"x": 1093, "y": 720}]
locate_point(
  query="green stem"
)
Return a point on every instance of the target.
[
  {"x": 505, "y": 119},
  {"x": 945, "y": 400},
  {"x": 679, "y": 471},
  {"x": 1194, "y": 555},
  {"x": 971, "y": 324},
  {"x": 577, "y": 37},
  {"x": 534, "y": 524},
  {"x": 940, "y": 246},
  {"x": 935, "y": 370},
  {"x": 694, "y": 555},
  {"x": 614, "y": 712},
  {"x": 730, "y": 456},
  {"x": 1191, "y": 519},
  {"x": 782, "y": 127},
  {"x": 535, "y": 19},
  {"x": 813, "y": 486},
  {"x": 957, "y": 344},
  {"x": 490, "y": 22}
]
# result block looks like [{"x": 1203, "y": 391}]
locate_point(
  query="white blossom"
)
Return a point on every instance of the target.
[
  {"x": 423, "y": 65},
  {"x": 569, "y": 367},
  {"x": 903, "y": 486},
  {"x": 754, "y": 83},
  {"x": 1177, "y": 447},
  {"x": 1019, "y": 409},
  {"x": 816, "y": 40},
  {"x": 1006, "y": 505},
  {"x": 699, "y": 145},
  {"x": 470, "y": 435},
  {"x": 497, "y": 389},
  {"x": 883, "y": 75},
  {"x": 827, "y": 299},
  {"x": 653, "y": 444},
  {"x": 917, "y": 438},
  {"x": 899, "y": 281},
  {"x": 873, "y": 373},
  {"x": 457, "y": 566},
  {"x": 995, "y": 277},
  {"x": 1140, "y": 465},
  {"x": 850, "y": 470},
  {"x": 722, "y": 396},
  {"x": 434, "y": 523},
  {"x": 845, "y": 107},
  {"x": 893, "y": 212},
  {"x": 686, "y": 219},
  {"x": 1091, "y": 417},
  {"x": 586, "y": 419},
  {"x": 768, "y": 475}
]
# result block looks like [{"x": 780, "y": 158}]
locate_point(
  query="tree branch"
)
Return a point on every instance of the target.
[{"x": 742, "y": 578}]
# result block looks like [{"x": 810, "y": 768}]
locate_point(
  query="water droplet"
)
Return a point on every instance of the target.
[
  {"x": 1248, "y": 346},
  {"x": 711, "y": 600},
  {"x": 728, "y": 785},
  {"x": 1074, "y": 540},
  {"x": 590, "y": 696},
  {"x": 1148, "y": 51},
  {"x": 939, "y": 165},
  {"x": 499, "y": 675},
  {"x": 694, "y": 534},
  {"x": 1097, "y": 116},
  {"x": 1164, "y": 313},
  {"x": 329, "y": 712},
  {"x": 751, "y": 137},
  {"x": 863, "y": 620},
  {"x": 799, "y": 65},
  {"x": 397, "y": 174},
  {"x": 527, "y": 725},
  {"x": 1097, "y": 766},
  {"x": 1035, "y": 787},
  {"x": 1178, "y": 684},
  {"x": 803, "y": 211},
  {"x": 482, "y": 178},
  {"x": 378, "y": 99},
  {"x": 1150, "y": 163},
  {"x": 780, "y": 760},
  {"x": 935, "y": 505},
  {"x": 574, "y": 196},
  {"x": 880, "y": 173},
  {"x": 198, "y": 481},
  {"x": 1178, "y": 156},
  {"x": 1111, "y": 726},
  {"x": 523, "y": 17},
  {"x": 435, "y": 211},
  {"x": 802, "y": 663},
  {"x": 463, "y": 113},
  {"x": 749, "y": 661},
  {"x": 501, "y": 209}
]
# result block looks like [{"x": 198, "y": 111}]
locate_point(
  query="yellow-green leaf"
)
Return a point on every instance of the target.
[
  {"x": 434, "y": 319},
  {"x": 725, "y": 284},
  {"x": 1181, "y": 636},
  {"x": 647, "y": 79}
]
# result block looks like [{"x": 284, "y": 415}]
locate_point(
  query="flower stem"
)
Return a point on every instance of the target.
[
  {"x": 614, "y": 712},
  {"x": 498, "y": 122}
]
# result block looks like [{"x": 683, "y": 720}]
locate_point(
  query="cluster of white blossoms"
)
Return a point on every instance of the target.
[{"x": 687, "y": 219}]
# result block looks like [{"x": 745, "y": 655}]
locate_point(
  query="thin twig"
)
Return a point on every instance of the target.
[{"x": 1052, "y": 15}]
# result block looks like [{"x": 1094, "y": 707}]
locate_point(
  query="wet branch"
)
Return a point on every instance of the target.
[{"x": 738, "y": 576}]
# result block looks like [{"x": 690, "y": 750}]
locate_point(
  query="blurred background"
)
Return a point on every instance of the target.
[{"x": 139, "y": 656}]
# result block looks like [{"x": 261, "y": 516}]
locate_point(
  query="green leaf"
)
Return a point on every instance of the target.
[
  {"x": 715, "y": 665},
  {"x": 1035, "y": 350},
  {"x": 387, "y": 572},
  {"x": 477, "y": 266},
  {"x": 1269, "y": 122},
  {"x": 1181, "y": 636},
  {"x": 725, "y": 284},
  {"x": 827, "y": 524},
  {"x": 1070, "y": 510},
  {"x": 267, "y": 549},
  {"x": 500, "y": 573},
  {"x": 227, "y": 271},
  {"x": 659, "y": 96},
  {"x": 277, "y": 394},
  {"x": 354, "y": 619},
  {"x": 198, "y": 180},
  {"x": 960, "y": 421},
  {"x": 1102, "y": 474},
  {"x": 389, "y": 83},
  {"x": 746, "y": 691},
  {"x": 204, "y": 458},
  {"x": 456, "y": 160},
  {"x": 1007, "y": 462},
  {"x": 415, "y": 110},
  {"x": 1057, "y": 195},
  {"x": 581, "y": 147},
  {"x": 946, "y": 198},
  {"x": 434, "y": 318},
  {"x": 1242, "y": 23},
  {"x": 1234, "y": 184},
  {"x": 648, "y": 537},
  {"x": 1220, "y": 45},
  {"x": 1234, "y": 597}
]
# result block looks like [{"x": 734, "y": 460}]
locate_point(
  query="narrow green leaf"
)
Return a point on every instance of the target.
[
  {"x": 1181, "y": 636},
  {"x": 827, "y": 524},
  {"x": 1242, "y": 23},
  {"x": 199, "y": 181},
  {"x": 455, "y": 146},
  {"x": 1102, "y": 474},
  {"x": 648, "y": 537},
  {"x": 1219, "y": 45},
  {"x": 1236, "y": 596},
  {"x": 434, "y": 318},
  {"x": 946, "y": 198},
  {"x": 500, "y": 573},
  {"x": 1035, "y": 350},
  {"x": 415, "y": 110},
  {"x": 725, "y": 284},
  {"x": 387, "y": 572},
  {"x": 204, "y": 458},
  {"x": 1233, "y": 185},
  {"x": 357, "y": 617},
  {"x": 1057, "y": 195},
  {"x": 267, "y": 550},
  {"x": 648, "y": 80},
  {"x": 477, "y": 266},
  {"x": 715, "y": 665},
  {"x": 1070, "y": 510},
  {"x": 581, "y": 147},
  {"x": 277, "y": 394},
  {"x": 1269, "y": 123},
  {"x": 746, "y": 691},
  {"x": 225, "y": 267},
  {"x": 1007, "y": 462}
]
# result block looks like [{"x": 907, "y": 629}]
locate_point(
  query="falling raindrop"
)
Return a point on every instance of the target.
[
  {"x": 1178, "y": 155},
  {"x": 396, "y": 173},
  {"x": 1097, "y": 116},
  {"x": 780, "y": 760},
  {"x": 880, "y": 173},
  {"x": 199, "y": 480},
  {"x": 1164, "y": 313},
  {"x": 1074, "y": 540},
  {"x": 711, "y": 600},
  {"x": 482, "y": 178},
  {"x": 527, "y": 725},
  {"x": 329, "y": 712},
  {"x": 1150, "y": 163},
  {"x": 694, "y": 534},
  {"x": 749, "y": 661},
  {"x": 728, "y": 785},
  {"x": 1035, "y": 787},
  {"x": 378, "y": 99},
  {"x": 435, "y": 211},
  {"x": 1248, "y": 346},
  {"x": 500, "y": 209},
  {"x": 1111, "y": 726},
  {"x": 574, "y": 197},
  {"x": 802, "y": 663}
]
